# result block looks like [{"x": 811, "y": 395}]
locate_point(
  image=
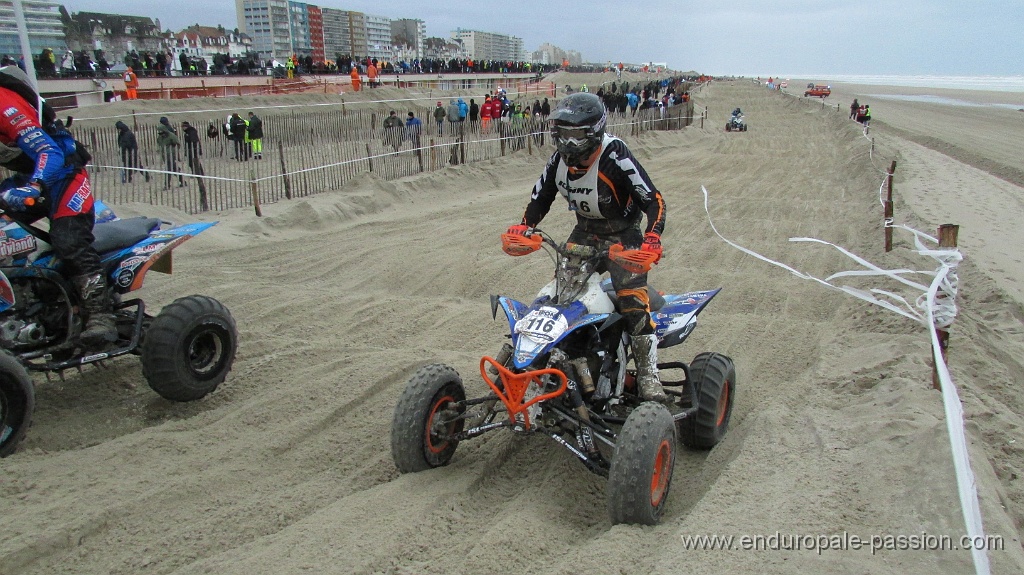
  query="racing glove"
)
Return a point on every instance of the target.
[
  {"x": 652, "y": 243},
  {"x": 518, "y": 230},
  {"x": 19, "y": 199}
]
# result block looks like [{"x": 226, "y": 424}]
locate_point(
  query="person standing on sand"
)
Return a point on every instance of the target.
[
  {"x": 610, "y": 193},
  {"x": 169, "y": 142},
  {"x": 193, "y": 145},
  {"x": 439, "y": 115},
  {"x": 413, "y": 129},
  {"x": 255, "y": 132},
  {"x": 853, "y": 109},
  {"x": 357, "y": 82},
  {"x": 393, "y": 130},
  {"x": 129, "y": 147}
]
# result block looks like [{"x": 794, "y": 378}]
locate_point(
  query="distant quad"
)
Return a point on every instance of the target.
[{"x": 736, "y": 124}]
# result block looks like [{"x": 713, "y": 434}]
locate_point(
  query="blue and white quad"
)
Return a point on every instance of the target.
[
  {"x": 186, "y": 350},
  {"x": 567, "y": 372}
]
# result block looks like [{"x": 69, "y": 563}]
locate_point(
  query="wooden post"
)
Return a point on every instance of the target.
[
  {"x": 433, "y": 155},
  {"x": 343, "y": 111},
  {"x": 255, "y": 193},
  {"x": 135, "y": 122},
  {"x": 284, "y": 172},
  {"x": 462, "y": 142},
  {"x": 887, "y": 204},
  {"x": 947, "y": 239},
  {"x": 369, "y": 159}
]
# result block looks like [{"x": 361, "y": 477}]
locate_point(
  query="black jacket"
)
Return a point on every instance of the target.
[
  {"x": 255, "y": 127},
  {"x": 125, "y": 137}
]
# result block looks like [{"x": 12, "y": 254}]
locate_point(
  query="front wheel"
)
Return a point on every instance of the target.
[
  {"x": 426, "y": 418},
  {"x": 17, "y": 400},
  {"x": 714, "y": 376},
  {"x": 189, "y": 348},
  {"x": 642, "y": 464}
]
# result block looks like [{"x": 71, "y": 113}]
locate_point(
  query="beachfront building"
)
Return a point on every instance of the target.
[
  {"x": 210, "y": 41},
  {"x": 282, "y": 28},
  {"x": 117, "y": 35},
  {"x": 337, "y": 29},
  {"x": 550, "y": 54},
  {"x": 490, "y": 46},
  {"x": 407, "y": 37},
  {"x": 267, "y": 23},
  {"x": 378, "y": 37},
  {"x": 43, "y": 21}
]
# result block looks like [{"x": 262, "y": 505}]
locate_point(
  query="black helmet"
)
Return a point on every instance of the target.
[{"x": 577, "y": 126}]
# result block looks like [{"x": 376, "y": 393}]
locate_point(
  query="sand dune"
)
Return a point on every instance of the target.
[{"x": 339, "y": 298}]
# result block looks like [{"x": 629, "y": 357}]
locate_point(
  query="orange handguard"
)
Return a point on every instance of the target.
[
  {"x": 633, "y": 261},
  {"x": 514, "y": 385},
  {"x": 517, "y": 245}
]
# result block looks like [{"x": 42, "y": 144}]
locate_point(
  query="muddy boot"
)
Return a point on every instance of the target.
[
  {"x": 100, "y": 326},
  {"x": 645, "y": 356}
]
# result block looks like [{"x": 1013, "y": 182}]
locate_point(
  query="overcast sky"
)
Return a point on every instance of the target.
[{"x": 801, "y": 38}]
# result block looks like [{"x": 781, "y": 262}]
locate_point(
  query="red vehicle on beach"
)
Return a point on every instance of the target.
[{"x": 819, "y": 90}]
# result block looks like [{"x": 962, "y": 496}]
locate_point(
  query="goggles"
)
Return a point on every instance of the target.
[{"x": 571, "y": 134}]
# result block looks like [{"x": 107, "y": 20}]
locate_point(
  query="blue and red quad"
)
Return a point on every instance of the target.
[
  {"x": 568, "y": 373},
  {"x": 186, "y": 350}
]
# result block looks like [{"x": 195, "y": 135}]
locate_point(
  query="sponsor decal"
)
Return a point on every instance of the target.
[
  {"x": 147, "y": 249},
  {"x": 124, "y": 279},
  {"x": 78, "y": 200},
  {"x": 567, "y": 187},
  {"x": 95, "y": 357},
  {"x": 11, "y": 246},
  {"x": 10, "y": 112},
  {"x": 131, "y": 263}
]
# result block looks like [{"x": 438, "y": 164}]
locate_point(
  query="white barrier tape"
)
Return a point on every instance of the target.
[
  {"x": 938, "y": 313},
  {"x": 967, "y": 486}
]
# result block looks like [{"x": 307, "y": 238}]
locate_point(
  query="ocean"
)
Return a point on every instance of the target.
[
  {"x": 1012, "y": 86},
  {"x": 988, "y": 83}
]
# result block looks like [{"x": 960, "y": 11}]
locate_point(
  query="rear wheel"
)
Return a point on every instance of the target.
[
  {"x": 426, "y": 418},
  {"x": 728, "y": 127},
  {"x": 17, "y": 400},
  {"x": 714, "y": 376},
  {"x": 189, "y": 347},
  {"x": 642, "y": 464}
]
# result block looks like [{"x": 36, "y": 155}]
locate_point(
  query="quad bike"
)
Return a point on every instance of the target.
[
  {"x": 736, "y": 124},
  {"x": 186, "y": 350},
  {"x": 566, "y": 373}
]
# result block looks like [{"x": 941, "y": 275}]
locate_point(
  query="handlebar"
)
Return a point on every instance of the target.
[{"x": 633, "y": 261}]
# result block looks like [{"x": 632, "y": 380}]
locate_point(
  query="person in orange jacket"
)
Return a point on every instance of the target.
[
  {"x": 371, "y": 75},
  {"x": 131, "y": 84},
  {"x": 357, "y": 82}
]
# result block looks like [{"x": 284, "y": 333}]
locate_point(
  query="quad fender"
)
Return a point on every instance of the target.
[
  {"x": 678, "y": 317},
  {"x": 152, "y": 253}
]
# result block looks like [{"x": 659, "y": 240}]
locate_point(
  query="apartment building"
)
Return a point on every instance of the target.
[{"x": 43, "y": 21}]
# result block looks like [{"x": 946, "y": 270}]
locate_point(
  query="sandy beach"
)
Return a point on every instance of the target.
[{"x": 836, "y": 430}]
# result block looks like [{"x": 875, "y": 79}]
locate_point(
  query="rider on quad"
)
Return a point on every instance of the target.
[
  {"x": 610, "y": 193},
  {"x": 49, "y": 165}
]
